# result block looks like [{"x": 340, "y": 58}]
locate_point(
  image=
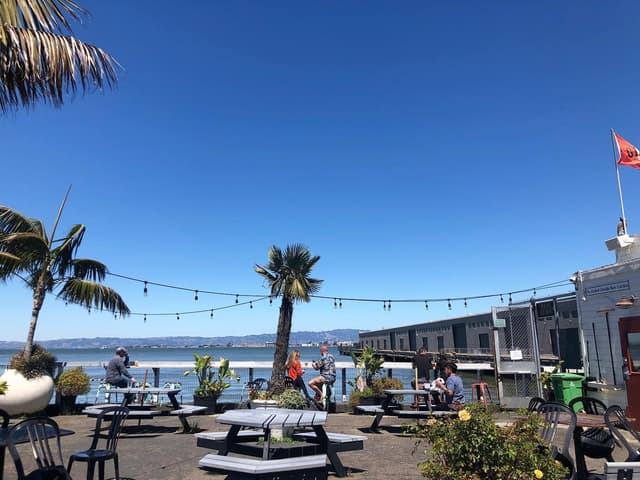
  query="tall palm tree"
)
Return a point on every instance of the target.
[
  {"x": 47, "y": 264},
  {"x": 40, "y": 60},
  {"x": 288, "y": 277}
]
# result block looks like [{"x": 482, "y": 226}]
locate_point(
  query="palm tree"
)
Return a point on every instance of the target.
[
  {"x": 47, "y": 264},
  {"x": 288, "y": 276},
  {"x": 40, "y": 60}
]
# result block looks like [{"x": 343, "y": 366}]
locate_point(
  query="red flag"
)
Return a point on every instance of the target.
[{"x": 629, "y": 155}]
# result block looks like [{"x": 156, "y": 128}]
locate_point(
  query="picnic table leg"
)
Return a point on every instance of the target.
[
  {"x": 174, "y": 401},
  {"x": 581, "y": 465},
  {"x": 267, "y": 444},
  {"x": 327, "y": 447},
  {"x": 232, "y": 435},
  {"x": 376, "y": 420}
]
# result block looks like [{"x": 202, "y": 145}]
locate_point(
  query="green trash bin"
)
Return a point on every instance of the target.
[{"x": 566, "y": 387}]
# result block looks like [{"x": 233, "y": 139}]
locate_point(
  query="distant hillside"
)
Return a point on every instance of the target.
[{"x": 297, "y": 338}]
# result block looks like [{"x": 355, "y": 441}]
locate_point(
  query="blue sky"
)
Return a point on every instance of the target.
[{"x": 422, "y": 149}]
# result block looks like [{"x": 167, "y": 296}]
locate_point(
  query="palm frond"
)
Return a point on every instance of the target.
[
  {"x": 31, "y": 248},
  {"x": 42, "y": 66},
  {"x": 8, "y": 265},
  {"x": 46, "y": 15},
  {"x": 12, "y": 221},
  {"x": 88, "y": 269},
  {"x": 63, "y": 254},
  {"x": 91, "y": 294}
]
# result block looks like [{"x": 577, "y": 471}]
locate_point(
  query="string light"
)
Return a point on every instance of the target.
[
  {"x": 177, "y": 316},
  {"x": 465, "y": 303},
  {"x": 250, "y": 304},
  {"x": 115, "y": 316},
  {"x": 196, "y": 297},
  {"x": 270, "y": 301},
  {"x": 389, "y": 305},
  {"x": 335, "y": 303},
  {"x": 501, "y": 299},
  {"x": 340, "y": 304},
  {"x": 509, "y": 299},
  {"x": 146, "y": 290},
  {"x": 426, "y": 305},
  {"x": 89, "y": 310},
  {"x": 384, "y": 305},
  {"x": 534, "y": 291},
  {"x": 211, "y": 314},
  {"x": 449, "y": 303},
  {"x": 145, "y": 318},
  {"x": 237, "y": 298}
]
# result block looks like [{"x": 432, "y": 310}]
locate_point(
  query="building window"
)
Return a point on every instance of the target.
[
  {"x": 440, "y": 342},
  {"x": 483, "y": 340},
  {"x": 384, "y": 344},
  {"x": 425, "y": 343},
  {"x": 378, "y": 344},
  {"x": 402, "y": 344}
]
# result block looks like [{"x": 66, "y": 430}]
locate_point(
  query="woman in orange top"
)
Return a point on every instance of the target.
[{"x": 295, "y": 372}]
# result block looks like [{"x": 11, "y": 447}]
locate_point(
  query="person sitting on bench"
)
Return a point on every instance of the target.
[
  {"x": 327, "y": 369},
  {"x": 452, "y": 388},
  {"x": 117, "y": 373},
  {"x": 295, "y": 372}
]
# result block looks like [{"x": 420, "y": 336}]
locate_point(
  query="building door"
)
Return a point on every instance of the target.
[
  {"x": 629, "y": 328},
  {"x": 440, "y": 343},
  {"x": 460, "y": 337},
  {"x": 392, "y": 340},
  {"x": 412, "y": 339}
]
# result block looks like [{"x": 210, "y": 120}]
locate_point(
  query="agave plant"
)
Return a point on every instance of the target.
[{"x": 40, "y": 60}]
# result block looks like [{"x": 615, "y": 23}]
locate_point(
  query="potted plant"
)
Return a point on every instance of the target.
[
  {"x": 368, "y": 367},
  {"x": 374, "y": 394},
  {"x": 292, "y": 399},
  {"x": 211, "y": 381},
  {"x": 545, "y": 380},
  {"x": 70, "y": 384},
  {"x": 29, "y": 381}
]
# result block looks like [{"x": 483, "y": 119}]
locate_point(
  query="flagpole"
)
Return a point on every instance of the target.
[{"x": 615, "y": 161}]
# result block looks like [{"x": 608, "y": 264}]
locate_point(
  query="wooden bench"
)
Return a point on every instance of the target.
[
  {"x": 308, "y": 467},
  {"x": 216, "y": 440},
  {"x": 133, "y": 414},
  {"x": 622, "y": 471},
  {"x": 424, "y": 413},
  {"x": 370, "y": 409},
  {"x": 340, "y": 442}
]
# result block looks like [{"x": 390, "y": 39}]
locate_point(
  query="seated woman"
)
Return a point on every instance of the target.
[
  {"x": 452, "y": 389},
  {"x": 295, "y": 372}
]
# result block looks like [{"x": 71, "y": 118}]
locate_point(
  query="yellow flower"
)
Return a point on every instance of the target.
[
  {"x": 538, "y": 473},
  {"x": 431, "y": 422},
  {"x": 464, "y": 415}
]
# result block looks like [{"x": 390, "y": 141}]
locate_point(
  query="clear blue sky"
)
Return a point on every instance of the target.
[{"x": 422, "y": 149}]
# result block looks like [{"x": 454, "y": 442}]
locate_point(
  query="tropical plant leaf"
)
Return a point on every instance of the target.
[
  {"x": 43, "y": 66},
  {"x": 91, "y": 294},
  {"x": 12, "y": 221},
  {"x": 46, "y": 15},
  {"x": 89, "y": 269}
]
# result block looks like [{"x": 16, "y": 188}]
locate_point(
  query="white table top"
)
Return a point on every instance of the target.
[
  {"x": 167, "y": 391},
  {"x": 272, "y": 418}
]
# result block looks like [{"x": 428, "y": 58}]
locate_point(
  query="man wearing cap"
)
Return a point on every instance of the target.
[
  {"x": 117, "y": 373},
  {"x": 452, "y": 388}
]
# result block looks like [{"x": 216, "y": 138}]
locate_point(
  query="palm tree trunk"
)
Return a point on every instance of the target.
[
  {"x": 282, "y": 345},
  {"x": 39, "y": 294}
]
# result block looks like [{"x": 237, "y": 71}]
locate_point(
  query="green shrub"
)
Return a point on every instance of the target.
[
  {"x": 3, "y": 387},
  {"x": 473, "y": 447},
  {"x": 41, "y": 362},
  {"x": 381, "y": 384},
  {"x": 73, "y": 381},
  {"x": 291, "y": 398}
]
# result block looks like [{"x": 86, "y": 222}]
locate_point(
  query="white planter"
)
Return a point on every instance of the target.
[
  {"x": 25, "y": 395},
  {"x": 264, "y": 403}
]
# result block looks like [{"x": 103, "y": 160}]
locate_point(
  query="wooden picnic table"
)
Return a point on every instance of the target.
[
  {"x": 145, "y": 411},
  {"x": 268, "y": 419}
]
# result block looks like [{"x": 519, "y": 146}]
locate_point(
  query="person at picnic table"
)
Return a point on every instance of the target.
[
  {"x": 422, "y": 364},
  {"x": 295, "y": 372},
  {"x": 117, "y": 373},
  {"x": 327, "y": 369},
  {"x": 452, "y": 389}
]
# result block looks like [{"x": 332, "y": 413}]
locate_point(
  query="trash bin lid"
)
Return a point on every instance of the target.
[{"x": 567, "y": 376}]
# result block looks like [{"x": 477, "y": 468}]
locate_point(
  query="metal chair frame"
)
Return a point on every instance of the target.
[
  {"x": 116, "y": 415},
  {"x": 617, "y": 420},
  {"x": 596, "y": 442},
  {"x": 534, "y": 403},
  {"x": 559, "y": 450},
  {"x": 45, "y": 447}
]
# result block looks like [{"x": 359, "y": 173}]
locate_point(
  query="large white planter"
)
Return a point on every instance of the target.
[{"x": 25, "y": 395}]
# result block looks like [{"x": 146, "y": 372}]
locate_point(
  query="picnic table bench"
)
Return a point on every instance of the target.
[
  {"x": 317, "y": 444},
  {"x": 144, "y": 411}
]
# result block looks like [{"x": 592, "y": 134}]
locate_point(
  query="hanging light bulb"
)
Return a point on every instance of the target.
[
  {"x": 426, "y": 305},
  {"x": 270, "y": 300},
  {"x": 196, "y": 297},
  {"x": 389, "y": 305},
  {"x": 449, "y": 303},
  {"x": 384, "y": 305},
  {"x": 340, "y": 304},
  {"x": 177, "y": 316},
  {"x": 66, "y": 304},
  {"x": 465, "y": 303},
  {"x": 145, "y": 318},
  {"x": 89, "y": 310},
  {"x": 237, "y": 298},
  {"x": 115, "y": 316},
  {"x": 211, "y": 314},
  {"x": 146, "y": 290},
  {"x": 534, "y": 291},
  {"x": 250, "y": 304},
  {"x": 335, "y": 303},
  {"x": 509, "y": 298},
  {"x": 501, "y": 299}
]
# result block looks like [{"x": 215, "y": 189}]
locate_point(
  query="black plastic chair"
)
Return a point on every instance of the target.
[
  {"x": 5, "y": 418},
  {"x": 559, "y": 449},
  {"x": 116, "y": 416},
  {"x": 534, "y": 403},
  {"x": 595, "y": 442},
  {"x": 44, "y": 435},
  {"x": 254, "y": 386},
  {"x": 617, "y": 420}
]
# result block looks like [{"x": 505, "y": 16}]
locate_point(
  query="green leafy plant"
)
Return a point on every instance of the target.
[
  {"x": 380, "y": 384},
  {"x": 369, "y": 365},
  {"x": 474, "y": 447},
  {"x": 292, "y": 399},
  {"x": 3, "y": 387},
  {"x": 260, "y": 395},
  {"x": 41, "y": 362},
  {"x": 545, "y": 380},
  {"x": 211, "y": 382},
  {"x": 73, "y": 381}
]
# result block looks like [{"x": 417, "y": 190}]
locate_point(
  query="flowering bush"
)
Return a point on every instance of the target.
[
  {"x": 473, "y": 447},
  {"x": 211, "y": 382}
]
